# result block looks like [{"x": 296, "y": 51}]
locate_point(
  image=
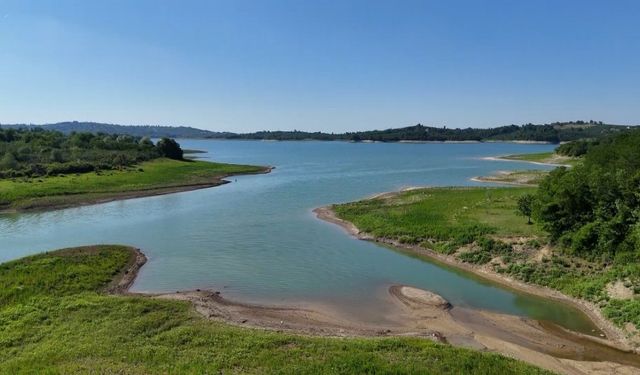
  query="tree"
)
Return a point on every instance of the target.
[
  {"x": 525, "y": 206},
  {"x": 170, "y": 148},
  {"x": 593, "y": 207},
  {"x": 8, "y": 161}
]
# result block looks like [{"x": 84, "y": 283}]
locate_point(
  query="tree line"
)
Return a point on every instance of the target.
[
  {"x": 37, "y": 152},
  {"x": 593, "y": 208},
  {"x": 553, "y": 132}
]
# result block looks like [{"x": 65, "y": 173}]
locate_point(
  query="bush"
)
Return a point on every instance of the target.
[
  {"x": 8, "y": 161},
  {"x": 169, "y": 148},
  {"x": 476, "y": 257}
]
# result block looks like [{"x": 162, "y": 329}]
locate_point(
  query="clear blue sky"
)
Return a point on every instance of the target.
[{"x": 324, "y": 65}]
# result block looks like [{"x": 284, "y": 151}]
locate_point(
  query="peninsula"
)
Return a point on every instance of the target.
[{"x": 41, "y": 170}]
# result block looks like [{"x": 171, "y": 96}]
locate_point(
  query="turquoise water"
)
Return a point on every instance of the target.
[{"x": 257, "y": 240}]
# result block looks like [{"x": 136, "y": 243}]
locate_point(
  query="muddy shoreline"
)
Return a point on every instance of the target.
[
  {"x": 79, "y": 200},
  {"x": 418, "y": 313},
  {"x": 496, "y": 180},
  {"x": 613, "y": 333}
]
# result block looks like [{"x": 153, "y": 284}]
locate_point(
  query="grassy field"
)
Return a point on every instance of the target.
[
  {"x": 441, "y": 218},
  {"x": 481, "y": 226},
  {"x": 82, "y": 188},
  {"x": 55, "y": 318}
]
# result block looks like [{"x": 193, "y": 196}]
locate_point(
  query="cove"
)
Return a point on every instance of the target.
[{"x": 256, "y": 239}]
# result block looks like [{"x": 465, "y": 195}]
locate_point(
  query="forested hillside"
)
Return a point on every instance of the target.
[
  {"x": 152, "y": 131},
  {"x": 593, "y": 209},
  {"x": 553, "y": 133}
]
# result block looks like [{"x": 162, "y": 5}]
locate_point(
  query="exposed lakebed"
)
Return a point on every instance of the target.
[{"x": 256, "y": 240}]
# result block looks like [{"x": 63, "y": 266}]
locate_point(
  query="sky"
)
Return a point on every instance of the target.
[{"x": 324, "y": 65}]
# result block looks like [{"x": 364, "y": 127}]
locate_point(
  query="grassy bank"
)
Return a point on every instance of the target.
[
  {"x": 55, "y": 318},
  {"x": 519, "y": 177},
  {"x": 147, "y": 178},
  {"x": 441, "y": 219},
  {"x": 480, "y": 226},
  {"x": 550, "y": 157}
]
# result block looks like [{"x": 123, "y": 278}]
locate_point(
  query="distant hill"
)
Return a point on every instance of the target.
[
  {"x": 553, "y": 133},
  {"x": 153, "y": 131}
]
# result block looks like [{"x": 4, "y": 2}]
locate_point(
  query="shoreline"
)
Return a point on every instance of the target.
[
  {"x": 484, "y": 179},
  {"x": 419, "y": 313},
  {"x": 613, "y": 333},
  {"x": 525, "y": 178},
  {"x": 89, "y": 199},
  {"x": 504, "y": 158}
]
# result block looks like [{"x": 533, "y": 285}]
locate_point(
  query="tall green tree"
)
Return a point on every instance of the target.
[{"x": 525, "y": 206}]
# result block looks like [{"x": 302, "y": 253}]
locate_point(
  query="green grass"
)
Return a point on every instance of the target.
[
  {"x": 54, "y": 318},
  {"x": 156, "y": 174},
  {"x": 441, "y": 218}
]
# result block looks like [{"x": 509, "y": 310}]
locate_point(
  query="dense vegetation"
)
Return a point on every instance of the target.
[
  {"x": 36, "y": 152},
  {"x": 593, "y": 208},
  {"x": 55, "y": 318},
  {"x": 554, "y": 132},
  {"x": 576, "y": 148}
]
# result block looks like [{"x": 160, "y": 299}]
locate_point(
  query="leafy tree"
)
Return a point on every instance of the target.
[
  {"x": 525, "y": 206},
  {"x": 8, "y": 161},
  {"x": 593, "y": 209},
  {"x": 170, "y": 148},
  {"x": 37, "y": 152}
]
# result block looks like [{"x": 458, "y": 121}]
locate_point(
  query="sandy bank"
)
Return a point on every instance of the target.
[
  {"x": 505, "y": 158},
  {"x": 497, "y": 180},
  {"x": 418, "y": 313}
]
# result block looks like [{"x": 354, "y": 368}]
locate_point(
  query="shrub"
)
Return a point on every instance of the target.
[{"x": 170, "y": 148}]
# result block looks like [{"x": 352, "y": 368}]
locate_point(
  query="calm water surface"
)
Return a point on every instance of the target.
[{"x": 257, "y": 240}]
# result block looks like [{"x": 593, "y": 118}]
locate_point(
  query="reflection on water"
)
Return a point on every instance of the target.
[{"x": 256, "y": 239}]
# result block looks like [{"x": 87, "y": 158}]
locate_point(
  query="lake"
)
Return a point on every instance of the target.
[{"x": 256, "y": 239}]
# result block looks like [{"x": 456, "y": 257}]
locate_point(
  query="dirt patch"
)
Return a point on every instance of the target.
[
  {"x": 124, "y": 280},
  {"x": 618, "y": 290},
  {"x": 543, "y": 253}
]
